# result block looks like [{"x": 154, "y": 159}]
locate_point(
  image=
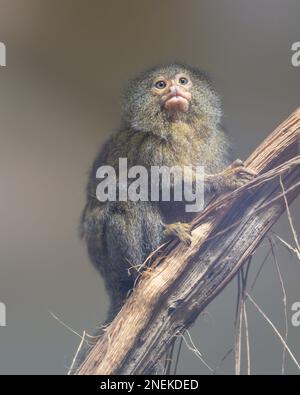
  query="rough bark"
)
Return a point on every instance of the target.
[{"x": 182, "y": 279}]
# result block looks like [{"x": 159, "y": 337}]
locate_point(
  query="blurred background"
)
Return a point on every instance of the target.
[{"x": 67, "y": 62}]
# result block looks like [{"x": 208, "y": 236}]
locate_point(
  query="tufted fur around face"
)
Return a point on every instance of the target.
[{"x": 143, "y": 112}]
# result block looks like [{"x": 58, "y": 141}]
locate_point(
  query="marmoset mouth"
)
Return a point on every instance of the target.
[{"x": 177, "y": 101}]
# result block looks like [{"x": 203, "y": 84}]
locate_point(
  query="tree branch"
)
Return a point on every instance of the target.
[{"x": 183, "y": 280}]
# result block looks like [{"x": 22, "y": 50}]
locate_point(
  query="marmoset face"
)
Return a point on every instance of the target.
[
  {"x": 173, "y": 92},
  {"x": 167, "y": 94}
]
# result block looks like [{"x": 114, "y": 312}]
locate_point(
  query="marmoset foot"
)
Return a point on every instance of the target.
[
  {"x": 236, "y": 175},
  {"x": 181, "y": 230}
]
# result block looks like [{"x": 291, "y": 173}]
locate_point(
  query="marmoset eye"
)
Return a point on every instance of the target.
[
  {"x": 160, "y": 84},
  {"x": 183, "y": 80}
]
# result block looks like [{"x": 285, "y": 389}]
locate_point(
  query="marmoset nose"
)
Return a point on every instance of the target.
[{"x": 174, "y": 88}]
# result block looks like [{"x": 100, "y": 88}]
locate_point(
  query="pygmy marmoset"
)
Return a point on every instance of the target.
[{"x": 171, "y": 117}]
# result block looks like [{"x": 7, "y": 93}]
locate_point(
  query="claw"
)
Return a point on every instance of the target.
[
  {"x": 237, "y": 163},
  {"x": 237, "y": 175},
  {"x": 180, "y": 230}
]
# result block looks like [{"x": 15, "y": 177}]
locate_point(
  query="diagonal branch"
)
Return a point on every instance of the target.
[{"x": 182, "y": 280}]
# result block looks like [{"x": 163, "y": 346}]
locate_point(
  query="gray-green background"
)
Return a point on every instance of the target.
[{"x": 67, "y": 62}]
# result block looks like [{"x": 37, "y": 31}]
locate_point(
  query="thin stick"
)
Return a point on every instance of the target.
[
  {"x": 241, "y": 318},
  {"x": 244, "y": 316},
  {"x": 178, "y": 355},
  {"x": 284, "y": 300},
  {"x": 290, "y": 248},
  {"x": 195, "y": 350},
  {"x": 289, "y": 215},
  {"x": 238, "y": 328},
  {"x": 68, "y": 327},
  {"x": 222, "y": 360},
  {"x": 260, "y": 270},
  {"x": 238, "y": 299},
  {"x": 169, "y": 357},
  {"x": 76, "y": 355},
  {"x": 247, "y": 339},
  {"x": 275, "y": 330}
]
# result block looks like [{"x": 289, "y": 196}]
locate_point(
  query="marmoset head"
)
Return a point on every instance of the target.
[{"x": 167, "y": 94}]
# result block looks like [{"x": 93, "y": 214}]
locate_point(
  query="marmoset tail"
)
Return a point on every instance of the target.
[{"x": 171, "y": 117}]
